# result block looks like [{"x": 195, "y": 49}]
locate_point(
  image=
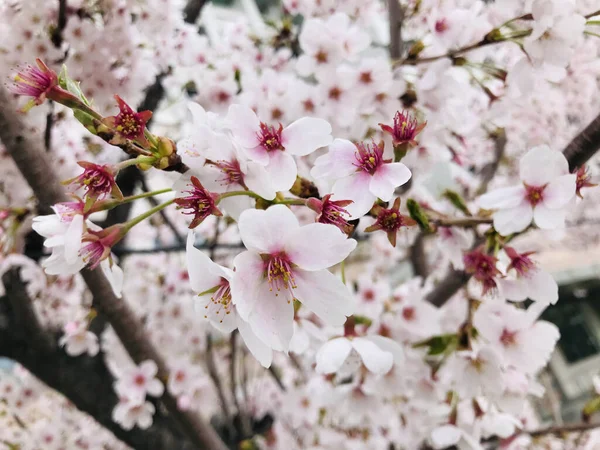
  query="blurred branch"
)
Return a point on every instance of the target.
[
  {"x": 489, "y": 170},
  {"x": 216, "y": 379},
  {"x": 192, "y": 10},
  {"x": 396, "y": 17},
  {"x": 27, "y": 151},
  {"x": 418, "y": 258},
  {"x": 84, "y": 380},
  {"x": 57, "y": 33},
  {"x": 162, "y": 213}
]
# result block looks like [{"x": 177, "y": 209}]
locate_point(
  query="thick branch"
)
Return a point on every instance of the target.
[
  {"x": 418, "y": 258},
  {"x": 27, "y": 151},
  {"x": 584, "y": 146},
  {"x": 396, "y": 16},
  {"x": 85, "y": 381},
  {"x": 192, "y": 10}
]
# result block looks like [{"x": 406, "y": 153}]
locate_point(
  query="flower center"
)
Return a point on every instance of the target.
[
  {"x": 441, "y": 26},
  {"x": 321, "y": 57},
  {"x": 508, "y": 338},
  {"x": 128, "y": 125},
  {"x": 221, "y": 299},
  {"x": 368, "y": 157},
  {"x": 93, "y": 253},
  {"x": 139, "y": 380},
  {"x": 232, "y": 173},
  {"x": 279, "y": 273},
  {"x": 534, "y": 194},
  {"x": 270, "y": 137}
]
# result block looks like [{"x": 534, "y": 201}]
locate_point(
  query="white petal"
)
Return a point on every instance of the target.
[
  {"x": 513, "y": 220},
  {"x": 155, "y": 388},
  {"x": 258, "y": 348},
  {"x": 445, "y": 436},
  {"x": 258, "y": 180},
  {"x": 203, "y": 274},
  {"x": 542, "y": 287},
  {"x": 73, "y": 239},
  {"x": 272, "y": 319},
  {"x": 381, "y": 187},
  {"x": 114, "y": 275},
  {"x": 548, "y": 219},
  {"x": 559, "y": 191},
  {"x": 502, "y": 198},
  {"x": 264, "y": 231},
  {"x": 540, "y": 166},
  {"x": 282, "y": 170},
  {"x": 396, "y": 173},
  {"x": 244, "y": 125},
  {"x": 389, "y": 345},
  {"x": 325, "y": 295},
  {"x": 332, "y": 355},
  {"x": 355, "y": 188},
  {"x": 513, "y": 290},
  {"x": 305, "y": 135},
  {"x": 247, "y": 282},
  {"x": 317, "y": 246},
  {"x": 375, "y": 359}
]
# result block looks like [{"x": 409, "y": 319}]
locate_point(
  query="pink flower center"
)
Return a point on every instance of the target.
[
  {"x": 441, "y": 26},
  {"x": 369, "y": 295},
  {"x": 139, "y": 380},
  {"x": 269, "y": 137},
  {"x": 232, "y": 173},
  {"x": 199, "y": 202},
  {"x": 96, "y": 180},
  {"x": 408, "y": 313},
  {"x": 508, "y": 338},
  {"x": 129, "y": 125},
  {"x": 93, "y": 253},
  {"x": 279, "y": 273},
  {"x": 534, "y": 194},
  {"x": 369, "y": 157},
  {"x": 221, "y": 299},
  {"x": 405, "y": 128}
]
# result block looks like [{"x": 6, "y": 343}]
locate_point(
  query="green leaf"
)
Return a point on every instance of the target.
[
  {"x": 439, "y": 345},
  {"x": 591, "y": 407},
  {"x": 458, "y": 202},
  {"x": 418, "y": 215},
  {"x": 71, "y": 85}
]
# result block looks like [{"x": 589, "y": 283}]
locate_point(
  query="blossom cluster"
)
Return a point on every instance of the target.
[{"x": 299, "y": 170}]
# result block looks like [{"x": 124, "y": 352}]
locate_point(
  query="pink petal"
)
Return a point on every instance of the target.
[
  {"x": 332, "y": 355},
  {"x": 540, "y": 166},
  {"x": 355, "y": 188},
  {"x": 305, "y": 135},
  {"x": 513, "y": 220},
  {"x": 247, "y": 283},
  {"x": 375, "y": 359},
  {"x": 542, "y": 287},
  {"x": 264, "y": 231},
  {"x": 396, "y": 173},
  {"x": 502, "y": 198},
  {"x": 244, "y": 125},
  {"x": 381, "y": 187},
  {"x": 559, "y": 191},
  {"x": 317, "y": 246},
  {"x": 203, "y": 275},
  {"x": 548, "y": 219},
  {"x": 258, "y": 348},
  {"x": 325, "y": 295},
  {"x": 272, "y": 319},
  {"x": 282, "y": 169}
]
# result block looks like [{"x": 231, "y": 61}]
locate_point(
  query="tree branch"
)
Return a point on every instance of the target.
[
  {"x": 84, "y": 380},
  {"x": 396, "y": 16},
  {"x": 418, "y": 258},
  {"x": 28, "y": 153},
  {"x": 192, "y": 10}
]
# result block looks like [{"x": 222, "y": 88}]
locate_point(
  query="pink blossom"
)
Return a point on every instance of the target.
[{"x": 285, "y": 262}]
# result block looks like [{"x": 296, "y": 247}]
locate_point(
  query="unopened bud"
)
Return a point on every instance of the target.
[{"x": 166, "y": 146}]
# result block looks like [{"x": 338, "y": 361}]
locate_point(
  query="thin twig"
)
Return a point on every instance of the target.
[
  {"x": 162, "y": 213},
  {"x": 418, "y": 258},
  {"x": 275, "y": 375},
  {"x": 57, "y": 33},
  {"x": 245, "y": 425},
  {"x": 192, "y": 10},
  {"x": 396, "y": 17},
  {"x": 489, "y": 170},
  {"x": 49, "y": 125}
]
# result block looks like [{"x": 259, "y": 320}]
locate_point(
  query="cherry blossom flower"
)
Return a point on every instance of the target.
[
  {"x": 331, "y": 211},
  {"x": 198, "y": 202},
  {"x": 521, "y": 341},
  {"x": 361, "y": 173},
  {"x": 547, "y": 188},
  {"x": 452, "y": 242},
  {"x": 483, "y": 268},
  {"x": 530, "y": 280},
  {"x": 285, "y": 262},
  {"x": 391, "y": 221},
  {"x": 129, "y": 413},
  {"x": 128, "y": 124},
  {"x": 404, "y": 130},
  {"x": 137, "y": 381},
  {"x": 98, "y": 181},
  {"x": 78, "y": 340},
  {"x": 584, "y": 180},
  {"x": 214, "y": 301},
  {"x": 274, "y": 146},
  {"x": 377, "y": 353}
]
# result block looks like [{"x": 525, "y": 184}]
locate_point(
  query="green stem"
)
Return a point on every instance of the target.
[
  {"x": 593, "y": 22},
  {"x": 151, "y": 138},
  {"x": 136, "y": 161},
  {"x": 589, "y": 33},
  {"x": 104, "y": 206},
  {"x": 133, "y": 222},
  {"x": 238, "y": 193},
  {"x": 343, "y": 270},
  {"x": 291, "y": 201}
]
